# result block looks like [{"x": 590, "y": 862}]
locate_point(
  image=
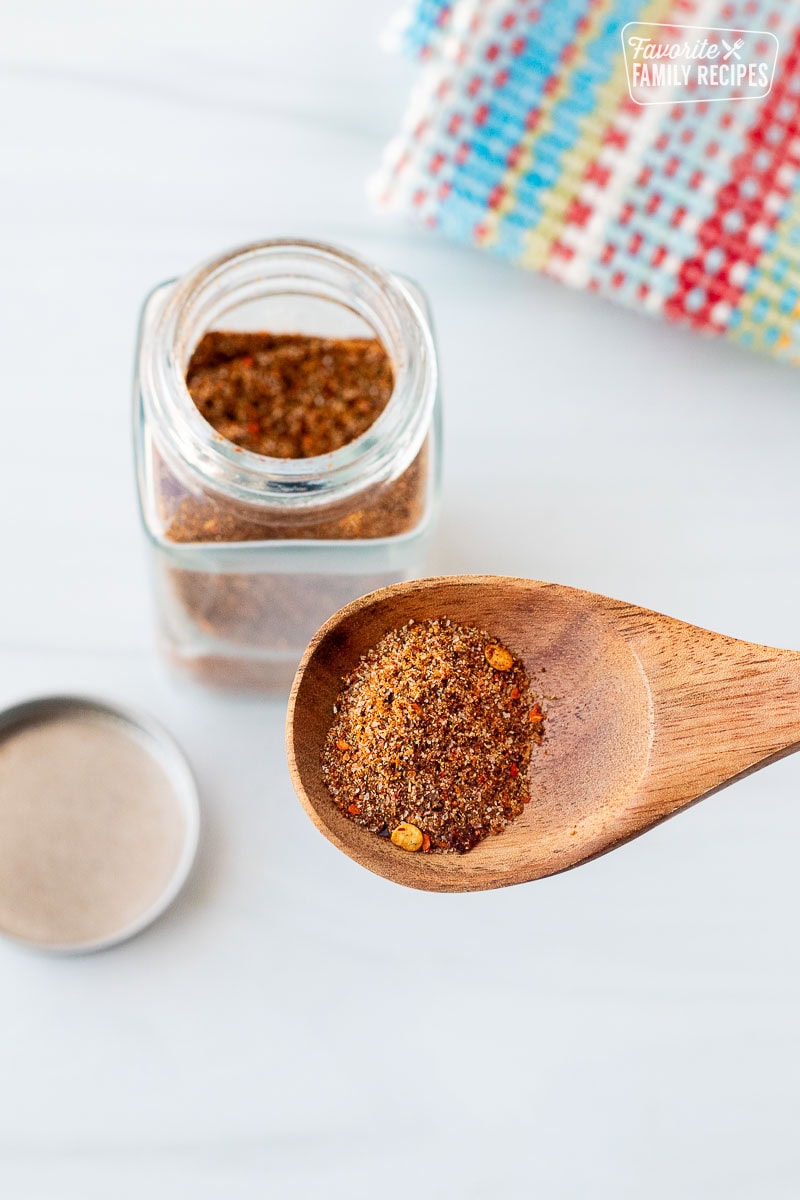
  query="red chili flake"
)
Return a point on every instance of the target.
[
  {"x": 515, "y": 693},
  {"x": 354, "y": 809},
  {"x": 253, "y": 426},
  {"x": 426, "y": 842},
  {"x": 514, "y": 770}
]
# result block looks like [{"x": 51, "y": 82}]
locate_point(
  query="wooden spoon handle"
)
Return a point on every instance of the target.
[{"x": 721, "y": 707}]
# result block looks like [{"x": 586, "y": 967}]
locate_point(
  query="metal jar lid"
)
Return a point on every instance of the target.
[{"x": 99, "y": 822}]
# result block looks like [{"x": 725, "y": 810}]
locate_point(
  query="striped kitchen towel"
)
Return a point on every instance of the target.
[{"x": 524, "y": 137}]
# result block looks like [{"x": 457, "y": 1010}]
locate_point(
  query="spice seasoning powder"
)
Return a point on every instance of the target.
[
  {"x": 289, "y": 395},
  {"x": 283, "y": 468},
  {"x": 292, "y": 396},
  {"x": 285, "y": 396},
  {"x": 432, "y": 738}
]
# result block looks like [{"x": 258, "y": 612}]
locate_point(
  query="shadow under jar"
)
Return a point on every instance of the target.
[{"x": 251, "y": 553}]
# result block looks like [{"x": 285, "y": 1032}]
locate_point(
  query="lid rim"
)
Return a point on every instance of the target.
[{"x": 38, "y": 710}]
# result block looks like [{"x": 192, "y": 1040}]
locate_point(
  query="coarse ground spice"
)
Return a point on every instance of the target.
[
  {"x": 387, "y": 511},
  {"x": 283, "y": 395},
  {"x": 432, "y": 737},
  {"x": 291, "y": 395},
  {"x": 288, "y": 395}
]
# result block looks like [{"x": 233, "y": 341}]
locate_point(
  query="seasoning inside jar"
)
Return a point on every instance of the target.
[
  {"x": 290, "y": 464},
  {"x": 286, "y": 396},
  {"x": 294, "y": 396},
  {"x": 432, "y": 738},
  {"x": 289, "y": 395}
]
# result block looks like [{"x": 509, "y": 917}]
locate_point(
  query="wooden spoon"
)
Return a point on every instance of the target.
[{"x": 645, "y": 715}]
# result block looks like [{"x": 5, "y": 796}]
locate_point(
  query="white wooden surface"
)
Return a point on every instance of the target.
[{"x": 295, "y": 1027}]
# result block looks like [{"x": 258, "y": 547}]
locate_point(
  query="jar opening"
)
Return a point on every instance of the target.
[{"x": 291, "y": 287}]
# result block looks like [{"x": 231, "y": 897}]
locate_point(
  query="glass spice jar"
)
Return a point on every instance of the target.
[{"x": 251, "y": 554}]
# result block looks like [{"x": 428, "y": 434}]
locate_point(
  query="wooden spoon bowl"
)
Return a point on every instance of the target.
[{"x": 645, "y": 715}]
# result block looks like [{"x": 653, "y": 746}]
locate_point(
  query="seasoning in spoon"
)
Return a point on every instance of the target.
[{"x": 432, "y": 738}]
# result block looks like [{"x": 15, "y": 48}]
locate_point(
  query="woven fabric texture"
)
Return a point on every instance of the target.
[{"x": 521, "y": 138}]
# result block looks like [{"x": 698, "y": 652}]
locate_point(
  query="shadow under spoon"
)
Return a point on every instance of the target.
[{"x": 645, "y": 716}]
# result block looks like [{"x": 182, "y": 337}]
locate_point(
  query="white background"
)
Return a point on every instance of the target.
[{"x": 295, "y": 1027}]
